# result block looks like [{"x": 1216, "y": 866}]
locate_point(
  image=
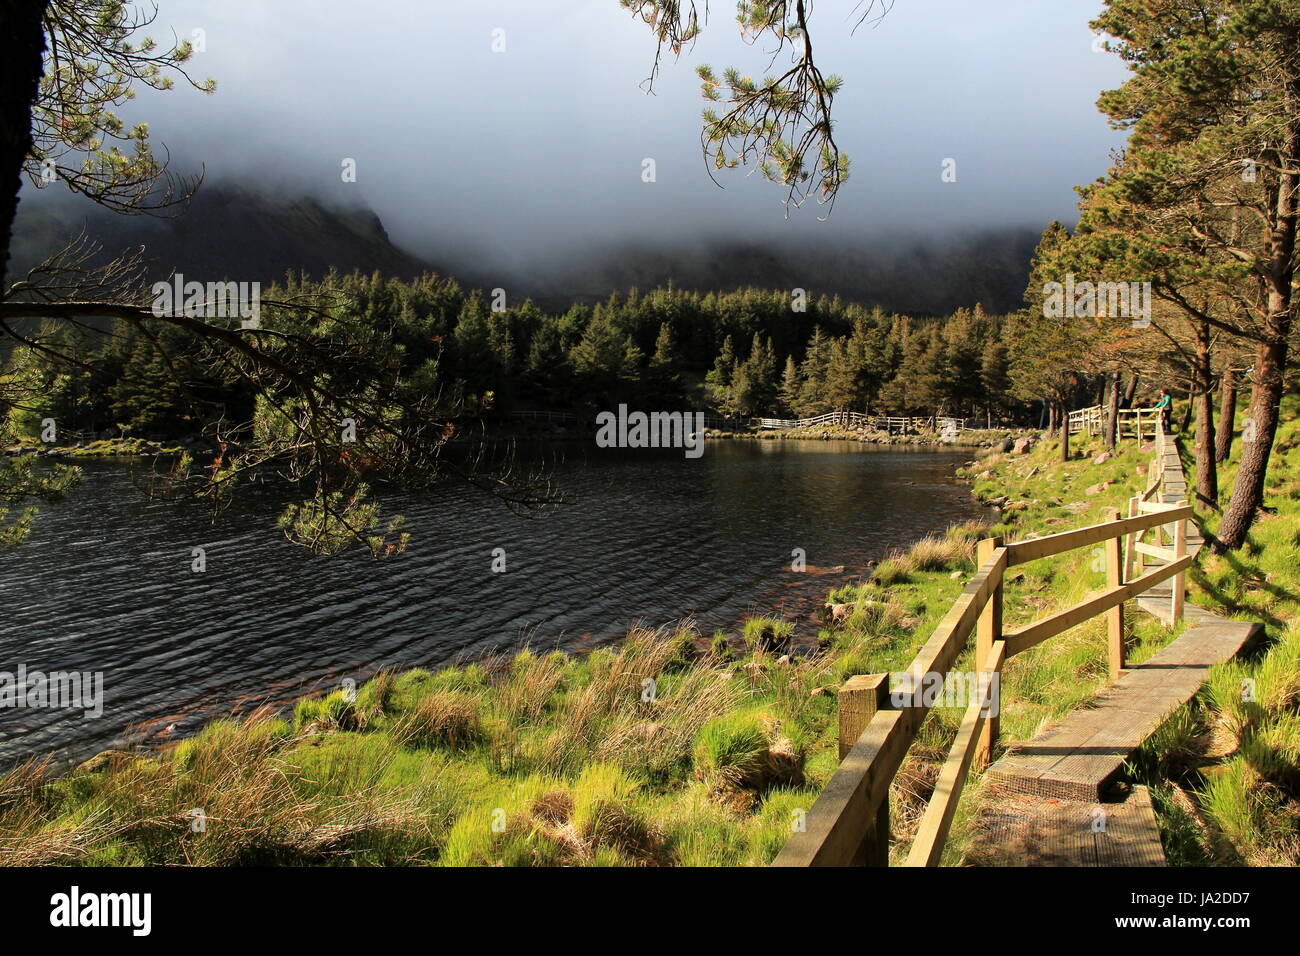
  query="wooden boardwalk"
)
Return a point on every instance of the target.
[
  {"x": 1058, "y": 799},
  {"x": 1035, "y": 831}
]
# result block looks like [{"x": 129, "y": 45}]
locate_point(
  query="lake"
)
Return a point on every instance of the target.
[{"x": 105, "y": 582}]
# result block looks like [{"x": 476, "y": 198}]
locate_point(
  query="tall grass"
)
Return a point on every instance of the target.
[{"x": 656, "y": 753}]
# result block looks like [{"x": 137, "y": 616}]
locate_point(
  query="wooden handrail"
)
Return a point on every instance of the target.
[
  {"x": 837, "y": 824},
  {"x": 927, "y": 846},
  {"x": 848, "y": 823},
  {"x": 1020, "y": 552},
  {"x": 1026, "y": 637}
]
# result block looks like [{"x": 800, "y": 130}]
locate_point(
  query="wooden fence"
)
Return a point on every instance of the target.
[
  {"x": 1130, "y": 423},
  {"x": 849, "y": 823},
  {"x": 894, "y": 424},
  {"x": 720, "y": 422}
]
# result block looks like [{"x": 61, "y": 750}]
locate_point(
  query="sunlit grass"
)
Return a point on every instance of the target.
[{"x": 674, "y": 749}]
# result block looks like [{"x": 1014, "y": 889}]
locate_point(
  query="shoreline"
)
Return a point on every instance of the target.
[
  {"x": 736, "y": 733},
  {"x": 810, "y": 616},
  {"x": 147, "y": 448}
]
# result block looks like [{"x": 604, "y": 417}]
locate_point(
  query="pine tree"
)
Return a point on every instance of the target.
[
  {"x": 1206, "y": 198},
  {"x": 995, "y": 381},
  {"x": 812, "y": 394},
  {"x": 718, "y": 381},
  {"x": 790, "y": 385},
  {"x": 1047, "y": 348}
]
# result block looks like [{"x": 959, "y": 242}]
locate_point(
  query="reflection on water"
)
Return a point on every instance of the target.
[{"x": 105, "y": 582}]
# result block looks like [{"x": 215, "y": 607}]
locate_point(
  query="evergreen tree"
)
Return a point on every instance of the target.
[
  {"x": 812, "y": 395},
  {"x": 790, "y": 385},
  {"x": 1048, "y": 341},
  {"x": 719, "y": 378},
  {"x": 995, "y": 381}
]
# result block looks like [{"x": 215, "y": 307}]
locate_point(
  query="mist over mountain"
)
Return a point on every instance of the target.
[
  {"x": 233, "y": 231},
  {"x": 225, "y": 231},
  {"x": 902, "y": 273}
]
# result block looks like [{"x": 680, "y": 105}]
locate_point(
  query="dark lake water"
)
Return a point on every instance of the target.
[{"x": 105, "y": 582}]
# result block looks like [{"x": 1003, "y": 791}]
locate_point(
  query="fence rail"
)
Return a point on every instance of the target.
[
  {"x": 710, "y": 421},
  {"x": 894, "y": 424},
  {"x": 849, "y": 823},
  {"x": 1134, "y": 422}
]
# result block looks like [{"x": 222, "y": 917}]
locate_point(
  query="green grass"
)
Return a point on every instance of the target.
[
  {"x": 531, "y": 759},
  {"x": 1233, "y": 796},
  {"x": 680, "y": 749}
]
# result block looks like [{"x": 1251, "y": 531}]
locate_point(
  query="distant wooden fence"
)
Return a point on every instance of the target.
[
  {"x": 1130, "y": 423},
  {"x": 719, "y": 422},
  {"x": 849, "y": 823},
  {"x": 893, "y": 424}
]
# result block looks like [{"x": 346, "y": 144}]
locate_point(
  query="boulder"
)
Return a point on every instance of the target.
[
  {"x": 836, "y": 613},
  {"x": 1021, "y": 445},
  {"x": 1096, "y": 489},
  {"x": 1102, "y": 458}
]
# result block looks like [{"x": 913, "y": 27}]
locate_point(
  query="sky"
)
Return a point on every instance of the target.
[{"x": 537, "y": 151}]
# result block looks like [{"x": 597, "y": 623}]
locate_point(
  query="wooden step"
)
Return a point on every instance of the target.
[
  {"x": 1020, "y": 830},
  {"x": 1081, "y": 756}
]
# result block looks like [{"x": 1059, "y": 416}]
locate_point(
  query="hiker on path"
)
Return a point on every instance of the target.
[{"x": 1164, "y": 404}]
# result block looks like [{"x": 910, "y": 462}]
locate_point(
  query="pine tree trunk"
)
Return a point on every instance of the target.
[
  {"x": 1207, "y": 471},
  {"x": 1261, "y": 426},
  {"x": 1131, "y": 391},
  {"x": 1227, "y": 416},
  {"x": 23, "y": 41},
  {"x": 1186, "y": 423},
  {"x": 1112, "y": 413},
  {"x": 1064, "y": 415},
  {"x": 1270, "y": 358}
]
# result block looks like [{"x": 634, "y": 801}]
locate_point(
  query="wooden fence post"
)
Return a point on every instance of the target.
[
  {"x": 1130, "y": 542},
  {"x": 1115, "y": 616},
  {"x": 988, "y": 630},
  {"x": 860, "y": 698},
  {"x": 1180, "y": 549}
]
